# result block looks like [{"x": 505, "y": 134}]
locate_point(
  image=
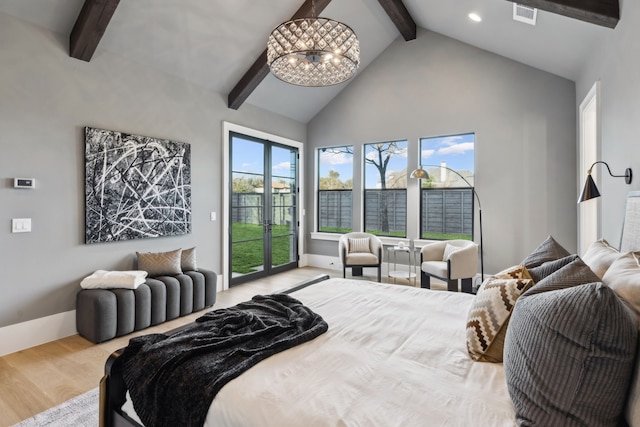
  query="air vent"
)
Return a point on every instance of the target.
[{"x": 525, "y": 14}]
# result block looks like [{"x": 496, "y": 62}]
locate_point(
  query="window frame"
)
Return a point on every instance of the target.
[
  {"x": 365, "y": 166},
  {"x": 319, "y": 191}
]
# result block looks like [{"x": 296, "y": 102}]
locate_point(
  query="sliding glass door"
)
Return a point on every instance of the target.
[{"x": 263, "y": 208}]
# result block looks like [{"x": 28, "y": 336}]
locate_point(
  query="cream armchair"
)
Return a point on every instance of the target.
[
  {"x": 449, "y": 260},
  {"x": 358, "y": 250}
]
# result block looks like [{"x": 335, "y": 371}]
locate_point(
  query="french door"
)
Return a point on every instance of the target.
[{"x": 263, "y": 210}]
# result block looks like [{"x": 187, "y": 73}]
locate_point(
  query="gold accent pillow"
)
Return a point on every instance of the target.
[
  {"x": 160, "y": 263},
  {"x": 188, "y": 259},
  {"x": 515, "y": 272},
  {"x": 489, "y": 315}
]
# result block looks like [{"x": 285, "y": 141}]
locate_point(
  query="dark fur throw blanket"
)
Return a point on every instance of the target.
[{"x": 173, "y": 379}]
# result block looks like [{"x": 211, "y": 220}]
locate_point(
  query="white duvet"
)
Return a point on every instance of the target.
[{"x": 393, "y": 356}]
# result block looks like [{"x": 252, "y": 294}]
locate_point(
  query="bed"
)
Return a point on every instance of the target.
[{"x": 399, "y": 356}]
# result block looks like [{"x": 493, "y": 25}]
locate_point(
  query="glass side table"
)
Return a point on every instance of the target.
[{"x": 392, "y": 257}]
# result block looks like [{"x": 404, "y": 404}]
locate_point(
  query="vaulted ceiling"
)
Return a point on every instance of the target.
[{"x": 220, "y": 44}]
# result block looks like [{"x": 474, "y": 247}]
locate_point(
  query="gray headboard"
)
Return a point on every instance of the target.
[{"x": 630, "y": 238}]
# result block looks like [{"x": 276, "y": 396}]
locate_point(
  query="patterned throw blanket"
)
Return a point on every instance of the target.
[{"x": 173, "y": 379}]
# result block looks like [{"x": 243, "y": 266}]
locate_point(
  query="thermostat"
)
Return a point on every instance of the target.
[{"x": 24, "y": 183}]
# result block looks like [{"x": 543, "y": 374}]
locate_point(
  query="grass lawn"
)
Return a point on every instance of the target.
[
  {"x": 445, "y": 236},
  {"x": 247, "y": 253}
]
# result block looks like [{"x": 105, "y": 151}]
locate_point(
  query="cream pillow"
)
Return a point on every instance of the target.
[
  {"x": 160, "y": 263},
  {"x": 599, "y": 257},
  {"x": 359, "y": 245},
  {"x": 624, "y": 278},
  {"x": 450, "y": 250},
  {"x": 188, "y": 259}
]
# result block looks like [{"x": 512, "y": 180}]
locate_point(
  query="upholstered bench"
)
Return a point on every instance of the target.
[{"x": 103, "y": 314}]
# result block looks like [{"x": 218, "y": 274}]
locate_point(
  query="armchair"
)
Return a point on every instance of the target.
[
  {"x": 449, "y": 260},
  {"x": 358, "y": 250}
]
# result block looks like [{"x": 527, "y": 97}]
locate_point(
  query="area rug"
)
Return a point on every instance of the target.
[{"x": 81, "y": 411}]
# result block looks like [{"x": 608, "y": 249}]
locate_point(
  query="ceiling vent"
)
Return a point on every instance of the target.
[{"x": 525, "y": 14}]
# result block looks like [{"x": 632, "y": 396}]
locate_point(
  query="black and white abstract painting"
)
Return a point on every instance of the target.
[{"x": 136, "y": 187}]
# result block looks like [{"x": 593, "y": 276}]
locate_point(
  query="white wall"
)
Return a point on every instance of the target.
[
  {"x": 523, "y": 118},
  {"x": 616, "y": 64},
  {"x": 46, "y": 99}
]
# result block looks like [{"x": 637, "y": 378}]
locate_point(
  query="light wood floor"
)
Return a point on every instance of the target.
[{"x": 41, "y": 377}]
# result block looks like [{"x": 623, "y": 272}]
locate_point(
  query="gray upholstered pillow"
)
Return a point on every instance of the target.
[
  {"x": 548, "y": 250},
  {"x": 188, "y": 259},
  {"x": 160, "y": 263},
  {"x": 572, "y": 273},
  {"x": 543, "y": 270},
  {"x": 569, "y": 355}
]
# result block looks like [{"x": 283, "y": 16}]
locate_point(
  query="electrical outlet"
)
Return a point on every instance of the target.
[{"x": 213, "y": 216}]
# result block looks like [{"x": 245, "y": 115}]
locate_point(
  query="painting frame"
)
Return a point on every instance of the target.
[{"x": 136, "y": 187}]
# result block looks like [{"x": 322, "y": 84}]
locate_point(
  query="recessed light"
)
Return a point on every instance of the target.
[{"x": 475, "y": 17}]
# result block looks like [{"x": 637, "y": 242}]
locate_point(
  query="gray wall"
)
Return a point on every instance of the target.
[
  {"x": 523, "y": 118},
  {"x": 616, "y": 63},
  {"x": 46, "y": 99}
]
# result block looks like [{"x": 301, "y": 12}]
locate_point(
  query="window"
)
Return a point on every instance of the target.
[
  {"x": 385, "y": 194},
  {"x": 446, "y": 198},
  {"x": 335, "y": 189}
]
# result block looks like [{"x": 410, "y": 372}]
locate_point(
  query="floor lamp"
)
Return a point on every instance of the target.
[{"x": 420, "y": 173}]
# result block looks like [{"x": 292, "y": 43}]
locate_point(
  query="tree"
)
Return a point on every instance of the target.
[
  {"x": 333, "y": 182},
  {"x": 378, "y": 155},
  {"x": 246, "y": 185}
]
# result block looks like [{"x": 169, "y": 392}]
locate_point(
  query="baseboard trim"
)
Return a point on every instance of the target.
[{"x": 38, "y": 331}]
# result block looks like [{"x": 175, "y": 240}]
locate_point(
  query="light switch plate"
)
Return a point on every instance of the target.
[{"x": 21, "y": 225}]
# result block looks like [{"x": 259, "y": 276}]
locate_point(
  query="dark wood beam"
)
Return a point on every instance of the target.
[
  {"x": 90, "y": 26},
  {"x": 260, "y": 68},
  {"x": 400, "y": 17},
  {"x": 600, "y": 12}
]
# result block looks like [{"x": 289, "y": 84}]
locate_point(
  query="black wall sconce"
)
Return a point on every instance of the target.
[{"x": 590, "y": 191}]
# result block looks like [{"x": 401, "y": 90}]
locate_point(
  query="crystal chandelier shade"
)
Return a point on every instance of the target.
[{"x": 313, "y": 52}]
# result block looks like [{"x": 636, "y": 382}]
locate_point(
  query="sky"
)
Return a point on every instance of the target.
[
  {"x": 456, "y": 150},
  {"x": 248, "y": 156}
]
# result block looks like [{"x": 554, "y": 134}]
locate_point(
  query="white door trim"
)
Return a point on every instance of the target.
[
  {"x": 226, "y": 129},
  {"x": 589, "y": 212}
]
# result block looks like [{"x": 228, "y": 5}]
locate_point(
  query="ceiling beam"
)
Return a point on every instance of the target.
[
  {"x": 90, "y": 26},
  {"x": 259, "y": 70},
  {"x": 400, "y": 17},
  {"x": 600, "y": 12}
]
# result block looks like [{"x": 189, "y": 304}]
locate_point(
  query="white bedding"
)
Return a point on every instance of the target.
[{"x": 393, "y": 356}]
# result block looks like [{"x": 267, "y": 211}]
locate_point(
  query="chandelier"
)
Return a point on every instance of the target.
[{"x": 313, "y": 51}]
